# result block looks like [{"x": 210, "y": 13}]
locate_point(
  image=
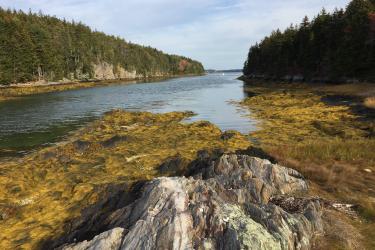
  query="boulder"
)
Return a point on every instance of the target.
[
  {"x": 109, "y": 240},
  {"x": 233, "y": 202}
]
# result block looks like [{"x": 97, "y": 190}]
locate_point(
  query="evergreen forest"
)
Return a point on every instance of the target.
[
  {"x": 34, "y": 46},
  {"x": 332, "y": 47}
]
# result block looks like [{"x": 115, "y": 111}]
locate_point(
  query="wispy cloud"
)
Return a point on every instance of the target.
[{"x": 216, "y": 32}]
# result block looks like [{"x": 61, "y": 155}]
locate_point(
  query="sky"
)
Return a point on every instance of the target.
[{"x": 217, "y": 33}]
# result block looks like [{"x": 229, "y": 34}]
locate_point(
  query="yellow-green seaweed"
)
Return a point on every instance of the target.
[{"x": 43, "y": 190}]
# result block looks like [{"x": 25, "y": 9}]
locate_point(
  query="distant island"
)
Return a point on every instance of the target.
[
  {"x": 333, "y": 47},
  {"x": 37, "y": 47}
]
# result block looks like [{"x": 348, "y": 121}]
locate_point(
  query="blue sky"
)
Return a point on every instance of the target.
[{"x": 216, "y": 32}]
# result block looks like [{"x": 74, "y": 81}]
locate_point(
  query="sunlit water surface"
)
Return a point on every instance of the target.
[{"x": 30, "y": 122}]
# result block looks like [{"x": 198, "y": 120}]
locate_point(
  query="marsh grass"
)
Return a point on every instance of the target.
[
  {"x": 332, "y": 146},
  {"x": 336, "y": 149}
]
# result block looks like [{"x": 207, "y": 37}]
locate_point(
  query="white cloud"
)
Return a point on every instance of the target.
[{"x": 216, "y": 32}]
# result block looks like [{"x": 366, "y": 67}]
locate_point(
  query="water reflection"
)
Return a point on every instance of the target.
[{"x": 39, "y": 119}]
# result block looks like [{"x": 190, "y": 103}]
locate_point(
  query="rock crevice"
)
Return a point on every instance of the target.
[{"x": 233, "y": 202}]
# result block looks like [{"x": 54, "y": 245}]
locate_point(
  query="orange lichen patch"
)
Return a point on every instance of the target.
[{"x": 42, "y": 191}]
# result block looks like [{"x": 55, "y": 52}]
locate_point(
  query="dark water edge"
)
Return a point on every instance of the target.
[
  {"x": 20, "y": 144},
  {"x": 36, "y": 121}
]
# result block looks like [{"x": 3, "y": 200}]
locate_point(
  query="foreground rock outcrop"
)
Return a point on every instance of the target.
[
  {"x": 233, "y": 202},
  {"x": 67, "y": 189}
]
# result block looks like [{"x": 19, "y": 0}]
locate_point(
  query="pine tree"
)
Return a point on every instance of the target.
[
  {"x": 329, "y": 47},
  {"x": 37, "y": 46}
]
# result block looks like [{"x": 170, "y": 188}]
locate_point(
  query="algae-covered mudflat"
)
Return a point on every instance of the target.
[
  {"x": 43, "y": 192},
  {"x": 327, "y": 133}
]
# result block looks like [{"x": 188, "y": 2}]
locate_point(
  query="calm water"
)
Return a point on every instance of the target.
[{"x": 29, "y": 122}]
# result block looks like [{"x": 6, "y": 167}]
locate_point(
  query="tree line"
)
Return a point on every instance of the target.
[
  {"x": 331, "y": 47},
  {"x": 34, "y": 46}
]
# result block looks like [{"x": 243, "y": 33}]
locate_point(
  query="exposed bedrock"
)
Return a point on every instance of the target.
[{"x": 227, "y": 203}]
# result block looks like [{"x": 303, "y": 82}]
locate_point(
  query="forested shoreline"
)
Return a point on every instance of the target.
[
  {"x": 332, "y": 47},
  {"x": 35, "y": 47}
]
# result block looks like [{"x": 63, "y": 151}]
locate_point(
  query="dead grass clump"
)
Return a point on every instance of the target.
[
  {"x": 339, "y": 233},
  {"x": 334, "y": 149}
]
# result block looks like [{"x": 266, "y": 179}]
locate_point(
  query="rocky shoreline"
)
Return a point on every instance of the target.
[
  {"x": 55, "y": 189},
  {"x": 142, "y": 180},
  {"x": 232, "y": 202}
]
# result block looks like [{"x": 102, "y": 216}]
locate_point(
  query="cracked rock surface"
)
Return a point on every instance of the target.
[{"x": 222, "y": 204}]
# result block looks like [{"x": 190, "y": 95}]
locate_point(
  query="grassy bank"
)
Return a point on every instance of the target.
[
  {"x": 43, "y": 193},
  {"x": 327, "y": 133}
]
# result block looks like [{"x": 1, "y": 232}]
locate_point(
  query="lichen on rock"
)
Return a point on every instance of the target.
[{"x": 221, "y": 206}]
